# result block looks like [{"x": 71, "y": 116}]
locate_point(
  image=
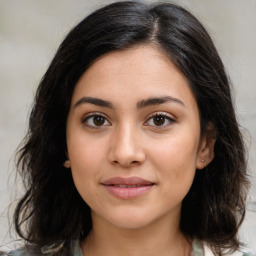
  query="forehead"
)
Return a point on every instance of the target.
[{"x": 139, "y": 72}]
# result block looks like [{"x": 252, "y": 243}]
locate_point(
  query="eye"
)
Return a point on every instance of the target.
[
  {"x": 160, "y": 120},
  {"x": 95, "y": 120}
]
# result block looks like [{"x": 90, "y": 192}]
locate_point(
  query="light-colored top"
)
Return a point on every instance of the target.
[{"x": 198, "y": 249}]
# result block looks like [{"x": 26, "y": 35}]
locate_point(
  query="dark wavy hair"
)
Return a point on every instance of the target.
[{"x": 51, "y": 209}]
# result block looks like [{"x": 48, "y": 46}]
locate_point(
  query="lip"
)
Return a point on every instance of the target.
[{"x": 127, "y": 188}]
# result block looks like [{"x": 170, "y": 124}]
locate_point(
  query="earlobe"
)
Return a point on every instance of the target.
[
  {"x": 67, "y": 163},
  {"x": 206, "y": 149}
]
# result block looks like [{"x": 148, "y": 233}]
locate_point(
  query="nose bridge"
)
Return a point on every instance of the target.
[{"x": 126, "y": 148}]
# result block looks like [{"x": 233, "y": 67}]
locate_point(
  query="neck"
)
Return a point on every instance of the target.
[{"x": 156, "y": 239}]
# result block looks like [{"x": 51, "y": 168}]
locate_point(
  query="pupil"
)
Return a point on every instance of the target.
[
  {"x": 98, "y": 120},
  {"x": 159, "y": 120}
]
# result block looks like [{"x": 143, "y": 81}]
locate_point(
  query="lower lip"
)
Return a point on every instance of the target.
[{"x": 128, "y": 192}]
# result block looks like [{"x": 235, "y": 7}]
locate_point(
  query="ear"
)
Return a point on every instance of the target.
[
  {"x": 67, "y": 163},
  {"x": 205, "y": 152}
]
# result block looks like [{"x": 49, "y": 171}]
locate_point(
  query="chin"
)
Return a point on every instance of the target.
[
  {"x": 132, "y": 219},
  {"x": 132, "y": 224}
]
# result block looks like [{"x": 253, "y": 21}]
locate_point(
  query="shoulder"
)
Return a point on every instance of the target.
[
  {"x": 24, "y": 251},
  {"x": 57, "y": 249},
  {"x": 208, "y": 252}
]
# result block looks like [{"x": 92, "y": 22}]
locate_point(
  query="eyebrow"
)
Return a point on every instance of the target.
[
  {"x": 94, "y": 101},
  {"x": 140, "y": 104},
  {"x": 158, "y": 101}
]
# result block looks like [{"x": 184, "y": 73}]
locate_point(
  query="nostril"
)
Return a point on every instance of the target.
[
  {"x": 134, "y": 162},
  {"x": 127, "y": 164}
]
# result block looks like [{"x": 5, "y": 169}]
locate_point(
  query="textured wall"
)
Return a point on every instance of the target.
[{"x": 30, "y": 32}]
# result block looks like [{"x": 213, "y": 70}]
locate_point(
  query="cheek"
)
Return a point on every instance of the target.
[
  {"x": 87, "y": 157},
  {"x": 175, "y": 160},
  {"x": 85, "y": 153},
  {"x": 85, "y": 172},
  {"x": 176, "y": 150}
]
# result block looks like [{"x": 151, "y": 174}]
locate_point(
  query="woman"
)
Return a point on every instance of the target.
[{"x": 133, "y": 144}]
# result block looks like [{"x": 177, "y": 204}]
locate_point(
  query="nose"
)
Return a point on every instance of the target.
[{"x": 126, "y": 148}]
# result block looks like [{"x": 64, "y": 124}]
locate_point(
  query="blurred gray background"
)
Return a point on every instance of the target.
[{"x": 30, "y": 32}]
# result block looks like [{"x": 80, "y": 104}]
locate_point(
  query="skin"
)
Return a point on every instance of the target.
[{"x": 130, "y": 142}]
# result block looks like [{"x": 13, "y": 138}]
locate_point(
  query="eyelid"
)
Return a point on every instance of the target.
[
  {"x": 164, "y": 114},
  {"x": 161, "y": 113},
  {"x": 91, "y": 115}
]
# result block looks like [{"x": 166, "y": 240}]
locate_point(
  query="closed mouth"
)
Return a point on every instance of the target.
[
  {"x": 127, "y": 188},
  {"x": 127, "y": 181}
]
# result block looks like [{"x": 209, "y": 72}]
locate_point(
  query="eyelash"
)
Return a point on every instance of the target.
[
  {"x": 166, "y": 117},
  {"x": 91, "y": 116}
]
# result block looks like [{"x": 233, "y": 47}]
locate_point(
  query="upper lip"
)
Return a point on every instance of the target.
[{"x": 127, "y": 181}]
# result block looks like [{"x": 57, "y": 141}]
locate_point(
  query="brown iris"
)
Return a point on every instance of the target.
[
  {"x": 159, "y": 120},
  {"x": 98, "y": 120}
]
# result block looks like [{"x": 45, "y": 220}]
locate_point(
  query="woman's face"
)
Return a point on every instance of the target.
[{"x": 133, "y": 136}]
